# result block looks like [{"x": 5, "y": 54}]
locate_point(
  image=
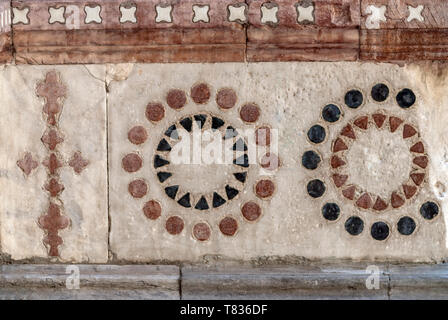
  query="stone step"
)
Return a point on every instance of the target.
[{"x": 225, "y": 282}]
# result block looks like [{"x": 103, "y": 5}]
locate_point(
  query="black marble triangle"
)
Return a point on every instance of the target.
[
  {"x": 187, "y": 123},
  {"x": 163, "y": 176},
  {"x": 163, "y": 146},
  {"x": 200, "y": 120},
  {"x": 239, "y": 145},
  {"x": 172, "y": 132},
  {"x": 218, "y": 200},
  {"x": 171, "y": 191},
  {"x": 230, "y": 133},
  {"x": 241, "y": 176},
  {"x": 185, "y": 201},
  {"x": 160, "y": 162},
  {"x": 231, "y": 192},
  {"x": 202, "y": 204},
  {"x": 217, "y": 123},
  {"x": 242, "y": 161}
]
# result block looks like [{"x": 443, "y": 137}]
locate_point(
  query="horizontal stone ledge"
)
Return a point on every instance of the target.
[
  {"x": 388, "y": 45},
  {"x": 280, "y": 282},
  {"x": 222, "y": 45},
  {"x": 95, "y": 282},
  {"x": 316, "y": 282},
  {"x": 270, "y": 282}
]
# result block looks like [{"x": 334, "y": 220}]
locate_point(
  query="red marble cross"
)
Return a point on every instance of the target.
[
  {"x": 52, "y": 222},
  {"x": 27, "y": 163},
  {"x": 53, "y": 91}
]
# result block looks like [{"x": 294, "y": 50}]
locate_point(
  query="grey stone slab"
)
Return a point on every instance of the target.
[
  {"x": 422, "y": 282},
  {"x": 294, "y": 282},
  {"x": 95, "y": 282}
]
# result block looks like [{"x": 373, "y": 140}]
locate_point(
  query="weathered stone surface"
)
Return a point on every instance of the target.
[
  {"x": 5, "y": 32},
  {"x": 408, "y": 45},
  {"x": 54, "y": 163},
  {"x": 277, "y": 282},
  {"x": 225, "y": 281},
  {"x": 419, "y": 282},
  {"x": 403, "y": 31},
  {"x": 117, "y": 31},
  {"x": 284, "y": 44},
  {"x": 412, "y": 14},
  {"x": 304, "y": 211},
  {"x": 62, "y": 282},
  {"x": 289, "y": 30}
]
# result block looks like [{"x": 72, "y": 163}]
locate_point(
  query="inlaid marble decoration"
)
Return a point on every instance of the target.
[
  {"x": 54, "y": 171},
  {"x": 325, "y": 160}
]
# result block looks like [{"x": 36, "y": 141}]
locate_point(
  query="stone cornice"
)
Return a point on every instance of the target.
[{"x": 113, "y": 31}]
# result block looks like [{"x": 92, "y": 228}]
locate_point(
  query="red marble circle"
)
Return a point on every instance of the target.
[
  {"x": 201, "y": 231},
  {"x": 263, "y": 136},
  {"x": 251, "y": 211},
  {"x": 138, "y": 188},
  {"x": 371, "y": 201},
  {"x": 137, "y": 135},
  {"x": 228, "y": 226},
  {"x": 200, "y": 93},
  {"x": 264, "y": 188},
  {"x": 155, "y": 112},
  {"x": 132, "y": 162},
  {"x": 226, "y": 98},
  {"x": 270, "y": 161},
  {"x": 152, "y": 210},
  {"x": 250, "y": 112},
  {"x": 174, "y": 225},
  {"x": 176, "y": 99}
]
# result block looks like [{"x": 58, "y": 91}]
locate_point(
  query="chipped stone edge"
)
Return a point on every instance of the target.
[{"x": 194, "y": 282}]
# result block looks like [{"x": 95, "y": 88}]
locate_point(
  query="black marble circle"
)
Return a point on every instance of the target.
[
  {"x": 354, "y": 225},
  {"x": 353, "y": 99},
  {"x": 316, "y": 134},
  {"x": 331, "y": 113},
  {"x": 429, "y": 210},
  {"x": 406, "y": 226},
  {"x": 405, "y": 98},
  {"x": 315, "y": 188},
  {"x": 379, "y": 231},
  {"x": 310, "y": 160},
  {"x": 331, "y": 211},
  {"x": 380, "y": 92}
]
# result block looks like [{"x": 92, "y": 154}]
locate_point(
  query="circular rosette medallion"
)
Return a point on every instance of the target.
[
  {"x": 202, "y": 162},
  {"x": 193, "y": 178},
  {"x": 377, "y": 161}
]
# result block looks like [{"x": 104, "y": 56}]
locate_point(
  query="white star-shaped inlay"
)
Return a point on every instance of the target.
[
  {"x": 20, "y": 15},
  {"x": 415, "y": 13},
  {"x": 376, "y": 15},
  {"x": 93, "y": 14},
  {"x": 305, "y": 13},
  {"x": 237, "y": 12},
  {"x": 269, "y": 14},
  {"x": 56, "y": 15},
  {"x": 128, "y": 14},
  {"x": 164, "y": 14},
  {"x": 201, "y": 13}
]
